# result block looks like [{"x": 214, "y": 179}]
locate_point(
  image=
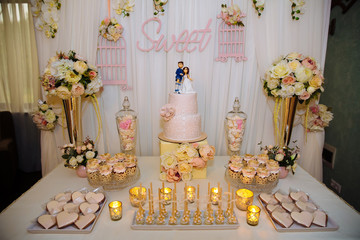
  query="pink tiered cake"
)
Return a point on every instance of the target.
[{"x": 185, "y": 125}]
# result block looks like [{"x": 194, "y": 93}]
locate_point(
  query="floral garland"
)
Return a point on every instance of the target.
[
  {"x": 45, "y": 118},
  {"x": 47, "y": 15},
  {"x": 159, "y": 6},
  {"x": 232, "y": 15},
  {"x": 296, "y": 8},
  {"x": 294, "y": 75},
  {"x": 75, "y": 156},
  {"x": 319, "y": 117},
  {"x": 70, "y": 76},
  {"x": 259, "y": 6},
  {"x": 110, "y": 29},
  {"x": 124, "y": 7},
  {"x": 286, "y": 156},
  {"x": 178, "y": 165}
]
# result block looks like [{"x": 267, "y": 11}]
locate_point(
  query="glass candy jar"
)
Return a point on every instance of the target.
[
  {"x": 126, "y": 124},
  {"x": 234, "y": 128}
]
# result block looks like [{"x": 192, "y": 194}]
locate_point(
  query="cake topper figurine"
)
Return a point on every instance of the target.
[
  {"x": 187, "y": 85},
  {"x": 179, "y": 74}
]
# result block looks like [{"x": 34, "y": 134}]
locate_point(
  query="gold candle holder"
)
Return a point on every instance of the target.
[
  {"x": 115, "y": 209},
  {"x": 165, "y": 195},
  {"x": 214, "y": 195},
  {"x": 137, "y": 196},
  {"x": 253, "y": 215},
  {"x": 190, "y": 194},
  {"x": 244, "y": 198}
]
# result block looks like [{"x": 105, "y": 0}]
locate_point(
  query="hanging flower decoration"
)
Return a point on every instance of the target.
[
  {"x": 232, "y": 15},
  {"x": 294, "y": 75},
  {"x": 259, "y": 6},
  {"x": 159, "y": 6},
  {"x": 46, "y": 13},
  {"x": 69, "y": 75},
  {"x": 45, "y": 118},
  {"x": 297, "y": 7},
  {"x": 124, "y": 7},
  {"x": 319, "y": 117},
  {"x": 110, "y": 29}
]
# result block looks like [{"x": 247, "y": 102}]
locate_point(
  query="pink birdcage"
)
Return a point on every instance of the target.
[
  {"x": 231, "y": 42},
  {"x": 111, "y": 62}
]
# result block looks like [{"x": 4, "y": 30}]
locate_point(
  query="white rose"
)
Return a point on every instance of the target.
[
  {"x": 279, "y": 157},
  {"x": 44, "y": 107},
  {"x": 311, "y": 89},
  {"x": 80, "y": 66},
  {"x": 168, "y": 160},
  {"x": 79, "y": 159},
  {"x": 260, "y": 3},
  {"x": 50, "y": 116},
  {"x": 294, "y": 64},
  {"x": 303, "y": 74},
  {"x": 163, "y": 176},
  {"x": 299, "y": 88},
  {"x": 293, "y": 55},
  {"x": 280, "y": 70},
  {"x": 186, "y": 176},
  {"x": 89, "y": 155},
  {"x": 273, "y": 83},
  {"x": 73, "y": 161}
]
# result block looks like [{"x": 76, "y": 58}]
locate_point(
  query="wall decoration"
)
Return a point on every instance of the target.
[
  {"x": 46, "y": 13},
  {"x": 259, "y": 6},
  {"x": 110, "y": 29},
  {"x": 297, "y": 8},
  {"x": 231, "y": 34},
  {"x": 182, "y": 42},
  {"x": 159, "y": 6},
  {"x": 123, "y": 7}
]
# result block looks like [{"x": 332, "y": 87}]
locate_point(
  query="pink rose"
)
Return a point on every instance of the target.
[
  {"x": 195, "y": 145},
  {"x": 319, "y": 122},
  {"x": 92, "y": 74},
  {"x": 172, "y": 175},
  {"x": 77, "y": 90},
  {"x": 314, "y": 109},
  {"x": 305, "y": 95},
  {"x": 309, "y": 63},
  {"x": 167, "y": 112},
  {"x": 125, "y": 124},
  {"x": 198, "y": 162},
  {"x": 239, "y": 123},
  {"x": 107, "y": 21},
  {"x": 37, "y": 118},
  {"x": 207, "y": 152},
  {"x": 288, "y": 80}
]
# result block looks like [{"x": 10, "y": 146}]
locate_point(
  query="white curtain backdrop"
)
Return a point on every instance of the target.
[{"x": 151, "y": 74}]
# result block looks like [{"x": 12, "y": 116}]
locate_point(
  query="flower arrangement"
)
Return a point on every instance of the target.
[
  {"x": 286, "y": 156},
  {"x": 296, "y": 8},
  {"x": 110, "y": 29},
  {"x": 232, "y": 15},
  {"x": 319, "y": 118},
  {"x": 70, "y": 76},
  {"x": 294, "y": 75},
  {"x": 46, "y": 12},
  {"x": 178, "y": 165},
  {"x": 75, "y": 156},
  {"x": 159, "y": 6},
  {"x": 124, "y": 7},
  {"x": 167, "y": 112},
  {"x": 45, "y": 118},
  {"x": 259, "y": 6}
]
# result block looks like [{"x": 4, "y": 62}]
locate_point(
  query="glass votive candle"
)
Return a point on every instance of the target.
[
  {"x": 165, "y": 195},
  {"x": 214, "y": 195},
  {"x": 137, "y": 196},
  {"x": 253, "y": 215},
  {"x": 244, "y": 198},
  {"x": 190, "y": 194},
  {"x": 115, "y": 209}
]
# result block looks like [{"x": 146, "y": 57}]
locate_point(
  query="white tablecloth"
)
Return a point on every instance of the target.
[{"x": 17, "y": 217}]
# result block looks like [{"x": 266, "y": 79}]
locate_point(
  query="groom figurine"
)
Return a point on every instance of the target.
[{"x": 178, "y": 77}]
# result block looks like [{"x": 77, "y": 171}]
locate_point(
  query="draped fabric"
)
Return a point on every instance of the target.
[{"x": 151, "y": 74}]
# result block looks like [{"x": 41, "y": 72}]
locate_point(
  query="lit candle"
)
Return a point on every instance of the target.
[
  {"x": 190, "y": 194},
  {"x": 165, "y": 195},
  {"x": 253, "y": 215},
  {"x": 115, "y": 209},
  {"x": 244, "y": 198},
  {"x": 137, "y": 196},
  {"x": 214, "y": 195}
]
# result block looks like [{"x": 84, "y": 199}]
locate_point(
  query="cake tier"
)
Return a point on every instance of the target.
[
  {"x": 183, "y": 127},
  {"x": 185, "y": 103}
]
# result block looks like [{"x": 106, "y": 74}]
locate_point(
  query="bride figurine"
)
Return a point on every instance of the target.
[{"x": 187, "y": 85}]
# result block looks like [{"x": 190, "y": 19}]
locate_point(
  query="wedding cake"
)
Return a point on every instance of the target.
[{"x": 182, "y": 122}]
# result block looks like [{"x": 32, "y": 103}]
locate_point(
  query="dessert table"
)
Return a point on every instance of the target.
[{"x": 15, "y": 219}]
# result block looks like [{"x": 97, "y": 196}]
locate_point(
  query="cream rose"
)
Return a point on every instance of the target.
[
  {"x": 294, "y": 64},
  {"x": 322, "y": 108},
  {"x": 44, "y": 107},
  {"x": 71, "y": 77},
  {"x": 207, "y": 152},
  {"x": 63, "y": 93},
  {"x": 311, "y": 90},
  {"x": 273, "y": 83},
  {"x": 77, "y": 89},
  {"x": 185, "y": 167},
  {"x": 293, "y": 55},
  {"x": 299, "y": 88},
  {"x": 73, "y": 161},
  {"x": 80, "y": 66},
  {"x": 163, "y": 176},
  {"x": 315, "y": 82},
  {"x": 279, "y": 157},
  {"x": 280, "y": 70},
  {"x": 79, "y": 159},
  {"x": 303, "y": 74},
  {"x": 168, "y": 160},
  {"x": 89, "y": 155},
  {"x": 186, "y": 176},
  {"x": 50, "y": 116}
]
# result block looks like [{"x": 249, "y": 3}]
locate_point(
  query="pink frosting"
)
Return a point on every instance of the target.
[
  {"x": 112, "y": 161},
  {"x": 236, "y": 158},
  {"x": 120, "y": 156},
  {"x": 262, "y": 172},
  {"x": 248, "y": 172},
  {"x": 248, "y": 157},
  {"x": 119, "y": 168},
  {"x": 273, "y": 166},
  {"x": 105, "y": 169},
  {"x": 92, "y": 167},
  {"x": 253, "y": 163},
  {"x": 235, "y": 167}
]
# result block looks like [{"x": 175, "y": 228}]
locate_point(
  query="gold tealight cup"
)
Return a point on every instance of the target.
[
  {"x": 137, "y": 196},
  {"x": 165, "y": 195},
  {"x": 244, "y": 198},
  {"x": 115, "y": 209},
  {"x": 253, "y": 215},
  {"x": 214, "y": 195},
  {"x": 190, "y": 194}
]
